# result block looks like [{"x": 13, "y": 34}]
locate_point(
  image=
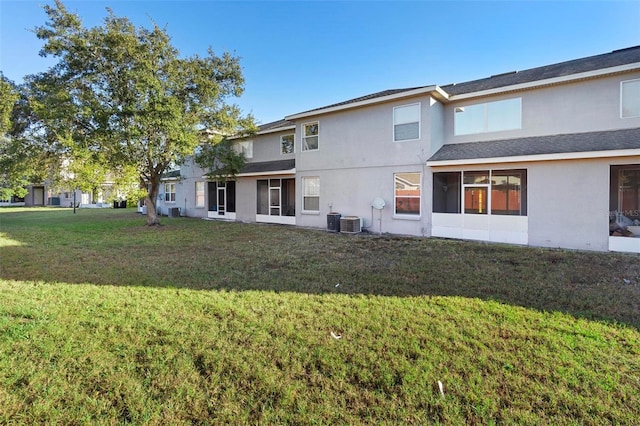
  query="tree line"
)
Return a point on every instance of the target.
[{"x": 121, "y": 102}]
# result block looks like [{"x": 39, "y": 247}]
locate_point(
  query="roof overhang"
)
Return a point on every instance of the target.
[
  {"x": 434, "y": 90},
  {"x": 572, "y": 146},
  {"x": 549, "y": 81},
  {"x": 539, "y": 157}
]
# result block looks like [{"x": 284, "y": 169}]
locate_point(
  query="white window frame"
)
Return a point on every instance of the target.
[
  {"x": 303, "y": 137},
  {"x": 395, "y": 196},
  {"x": 622, "y": 84},
  {"x": 293, "y": 144},
  {"x": 170, "y": 189},
  {"x": 395, "y": 123},
  {"x": 485, "y": 128},
  {"x": 201, "y": 196},
  {"x": 306, "y": 195},
  {"x": 245, "y": 147}
]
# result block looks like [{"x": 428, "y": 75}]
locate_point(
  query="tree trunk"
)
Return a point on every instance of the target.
[{"x": 150, "y": 202}]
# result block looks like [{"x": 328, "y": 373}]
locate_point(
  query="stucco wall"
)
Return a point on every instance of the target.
[
  {"x": 363, "y": 137},
  {"x": 585, "y": 106},
  {"x": 266, "y": 147}
]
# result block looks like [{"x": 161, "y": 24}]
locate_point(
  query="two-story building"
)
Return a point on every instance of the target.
[{"x": 547, "y": 157}]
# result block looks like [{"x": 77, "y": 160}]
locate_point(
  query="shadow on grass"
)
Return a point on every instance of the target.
[{"x": 114, "y": 247}]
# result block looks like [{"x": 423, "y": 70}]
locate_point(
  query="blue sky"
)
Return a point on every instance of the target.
[{"x": 302, "y": 55}]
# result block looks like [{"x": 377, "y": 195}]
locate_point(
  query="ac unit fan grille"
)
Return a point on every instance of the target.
[{"x": 350, "y": 225}]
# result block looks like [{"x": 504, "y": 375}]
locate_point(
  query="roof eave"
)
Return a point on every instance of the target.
[
  {"x": 435, "y": 90},
  {"x": 549, "y": 81},
  {"x": 536, "y": 157}
]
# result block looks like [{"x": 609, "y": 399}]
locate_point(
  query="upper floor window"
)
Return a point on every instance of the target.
[
  {"x": 406, "y": 122},
  {"x": 310, "y": 136},
  {"x": 286, "y": 144},
  {"x": 630, "y": 98},
  {"x": 245, "y": 147},
  {"x": 488, "y": 117},
  {"x": 170, "y": 192},
  {"x": 407, "y": 193}
]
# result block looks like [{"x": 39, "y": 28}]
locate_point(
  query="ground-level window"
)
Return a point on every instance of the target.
[
  {"x": 170, "y": 192},
  {"x": 624, "y": 201},
  {"x": 497, "y": 192},
  {"x": 222, "y": 197},
  {"x": 311, "y": 194},
  {"x": 276, "y": 197},
  {"x": 407, "y": 193},
  {"x": 199, "y": 194},
  {"x": 287, "y": 144}
]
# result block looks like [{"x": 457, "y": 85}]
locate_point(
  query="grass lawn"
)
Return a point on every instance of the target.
[{"x": 106, "y": 321}]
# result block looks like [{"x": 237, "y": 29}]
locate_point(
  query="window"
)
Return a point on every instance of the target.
[
  {"x": 406, "y": 122},
  {"x": 276, "y": 197},
  {"x": 630, "y": 98},
  {"x": 496, "y": 192},
  {"x": 310, "y": 136},
  {"x": 488, "y": 117},
  {"x": 199, "y": 194},
  {"x": 407, "y": 193},
  {"x": 170, "y": 192},
  {"x": 311, "y": 194},
  {"x": 245, "y": 147},
  {"x": 286, "y": 144},
  {"x": 624, "y": 201}
]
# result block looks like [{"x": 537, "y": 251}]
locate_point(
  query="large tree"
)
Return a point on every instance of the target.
[{"x": 125, "y": 97}]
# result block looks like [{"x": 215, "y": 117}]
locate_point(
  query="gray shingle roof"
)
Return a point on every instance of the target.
[
  {"x": 269, "y": 166},
  {"x": 365, "y": 98},
  {"x": 275, "y": 125},
  {"x": 592, "y": 63},
  {"x": 538, "y": 145}
]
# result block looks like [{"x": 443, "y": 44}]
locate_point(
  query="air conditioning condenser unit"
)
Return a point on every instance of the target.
[{"x": 350, "y": 225}]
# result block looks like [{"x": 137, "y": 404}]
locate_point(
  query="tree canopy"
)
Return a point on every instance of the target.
[{"x": 121, "y": 98}]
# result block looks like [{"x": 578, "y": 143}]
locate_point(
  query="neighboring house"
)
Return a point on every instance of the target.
[{"x": 545, "y": 157}]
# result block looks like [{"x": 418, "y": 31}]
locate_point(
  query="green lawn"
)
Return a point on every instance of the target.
[{"x": 106, "y": 321}]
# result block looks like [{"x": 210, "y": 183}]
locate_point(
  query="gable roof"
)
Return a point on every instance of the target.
[
  {"x": 611, "y": 60},
  {"x": 615, "y": 58},
  {"x": 507, "y": 149},
  {"x": 275, "y": 126},
  {"x": 383, "y": 96}
]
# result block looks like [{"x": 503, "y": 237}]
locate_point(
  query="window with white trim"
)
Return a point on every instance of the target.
[
  {"x": 287, "y": 144},
  {"x": 244, "y": 147},
  {"x": 406, "y": 122},
  {"x": 630, "y": 98},
  {"x": 488, "y": 117},
  {"x": 407, "y": 193},
  {"x": 170, "y": 192},
  {"x": 310, "y": 136},
  {"x": 311, "y": 194},
  {"x": 199, "y": 194}
]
